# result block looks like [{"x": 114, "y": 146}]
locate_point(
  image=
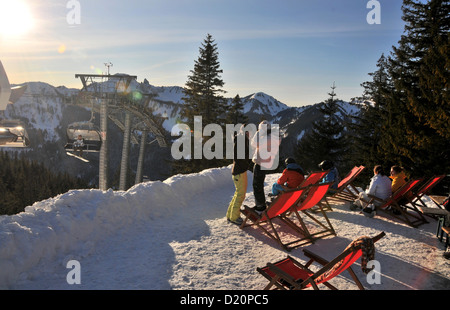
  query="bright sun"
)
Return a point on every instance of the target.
[{"x": 15, "y": 18}]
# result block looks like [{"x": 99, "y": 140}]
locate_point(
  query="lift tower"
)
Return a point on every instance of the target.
[
  {"x": 109, "y": 95},
  {"x": 103, "y": 96}
]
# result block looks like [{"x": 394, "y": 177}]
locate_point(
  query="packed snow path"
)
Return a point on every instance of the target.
[{"x": 174, "y": 235}]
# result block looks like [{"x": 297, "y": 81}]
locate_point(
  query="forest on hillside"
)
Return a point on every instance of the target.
[{"x": 23, "y": 182}]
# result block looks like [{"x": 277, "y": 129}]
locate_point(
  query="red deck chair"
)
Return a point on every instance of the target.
[
  {"x": 281, "y": 204},
  {"x": 289, "y": 274},
  {"x": 314, "y": 178},
  {"x": 400, "y": 201},
  {"x": 425, "y": 190},
  {"x": 316, "y": 195},
  {"x": 346, "y": 190}
]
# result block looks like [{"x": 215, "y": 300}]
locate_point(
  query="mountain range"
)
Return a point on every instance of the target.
[{"x": 48, "y": 110}]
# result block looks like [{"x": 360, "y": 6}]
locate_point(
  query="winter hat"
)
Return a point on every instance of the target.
[
  {"x": 290, "y": 160},
  {"x": 326, "y": 164}
]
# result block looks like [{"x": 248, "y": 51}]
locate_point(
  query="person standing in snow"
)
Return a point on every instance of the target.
[
  {"x": 265, "y": 158},
  {"x": 380, "y": 187},
  {"x": 239, "y": 175},
  {"x": 398, "y": 177},
  {"x": 291, "y": 177}
]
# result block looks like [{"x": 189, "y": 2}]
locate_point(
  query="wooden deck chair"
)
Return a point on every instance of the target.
[
  {"x": 399, "y": 202},
  {"x": 425, "y": 190},
  {"x": 315, "y": 196},
  {"x": 265, "y": 221},
  {"x": 314, "y": 178},
  {"x": 442, "y": 215},
  {"x": 346, "y": 190},
  {"x": 289, "y": 274}
]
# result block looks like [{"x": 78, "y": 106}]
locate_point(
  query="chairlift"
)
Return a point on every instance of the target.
[
  {"x": 13, "y": 134},
  {"x": 90, "y": 134}
]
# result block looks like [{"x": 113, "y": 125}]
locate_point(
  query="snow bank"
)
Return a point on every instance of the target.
[{"x": 79, "y": 219}]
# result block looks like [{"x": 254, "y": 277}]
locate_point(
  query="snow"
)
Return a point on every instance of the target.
[
  {"x": 261, "y": 103},
  {"x": 41, "y": 105},
  {"x": 173, "y": 235}
]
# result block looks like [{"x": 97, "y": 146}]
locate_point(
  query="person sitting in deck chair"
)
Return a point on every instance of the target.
[
  {"x": 332, "y": 176},
  {"x": 380, "y": 187},
  {"x": 291, "y": 177},
  {"x": 398, "y": 177},
  {"x": 78, "y": 145}
]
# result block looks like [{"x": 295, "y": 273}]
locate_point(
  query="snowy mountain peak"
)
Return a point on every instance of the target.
[{"x": 261, "y": 103}]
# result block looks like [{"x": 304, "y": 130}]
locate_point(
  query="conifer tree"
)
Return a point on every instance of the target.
[
  {"x": 22, "y": 183},
  {"x": 326, "y": 139},
  {"x": 419, "y": 67},
  {"x": 203, "y": 97},
  {"x": 372, "y": 138},
  {"x": 204, "y": 87},
  {"x": 236, "y": 114}
]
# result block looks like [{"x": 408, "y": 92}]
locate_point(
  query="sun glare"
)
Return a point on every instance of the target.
[{"x": 15, "y": 18}]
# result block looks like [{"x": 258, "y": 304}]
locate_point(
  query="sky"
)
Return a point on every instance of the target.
[{"x": 293, "y": 50}]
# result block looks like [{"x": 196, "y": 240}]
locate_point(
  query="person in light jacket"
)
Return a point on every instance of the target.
[
  {"x": 380, "y": 187},
  {"x": 78, "y": 145},
  {"x": 266, "y": 159}
]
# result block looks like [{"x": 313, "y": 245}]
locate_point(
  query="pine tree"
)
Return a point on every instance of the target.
[
  {"x": 203, "y": 97},
  {"x": 236, "y": 114},
  {"x": 326, "y": 139},
  {"x": 419, "y": 67},
  {"x": 372, "y": 138},
  {"x": 203, "y": 88},
  {"x": 23, "y": 182}
]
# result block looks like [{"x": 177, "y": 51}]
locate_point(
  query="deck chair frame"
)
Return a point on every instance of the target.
[
  {"x": 266, "y": 220},
  {"x": 314, "y": 178},
  {"x": 401, "y": 201},
  {"x": 283, "y": 280},
  {"x": 346, "y": 191},
  {"x": 315, "y": 196},
  {"x": 425, "y": 190}
]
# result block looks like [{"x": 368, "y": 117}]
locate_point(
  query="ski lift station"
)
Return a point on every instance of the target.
[{"x": 108, "y": 96}]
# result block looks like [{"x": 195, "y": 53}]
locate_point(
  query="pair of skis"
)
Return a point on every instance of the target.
[{"x": 78, "y": 157}]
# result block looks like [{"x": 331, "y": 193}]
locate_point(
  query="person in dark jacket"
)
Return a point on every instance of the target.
[
  {"x": 239, "y": 175},
  {"x": 333, "y": 174},
  {"x": 291, "y": 177}
]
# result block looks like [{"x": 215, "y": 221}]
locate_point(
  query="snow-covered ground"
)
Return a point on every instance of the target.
[{"x": 173, "y": 235}]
